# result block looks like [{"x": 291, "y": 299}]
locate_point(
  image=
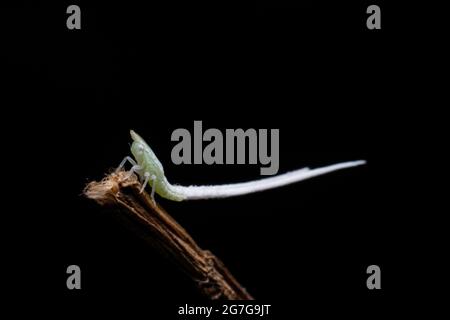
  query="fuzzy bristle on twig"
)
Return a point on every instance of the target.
[{"x": 121, "y": 192}]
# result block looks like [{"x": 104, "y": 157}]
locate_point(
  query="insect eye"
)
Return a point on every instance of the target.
[{"x": 141, "y": 148}]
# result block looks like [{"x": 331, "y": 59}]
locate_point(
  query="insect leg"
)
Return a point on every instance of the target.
[
  {"x": 144, "y": 184},
  {"x": 133, "y": 169},
  {"x": 127, "y": 158},
  {"x": 153, "y": 178}
]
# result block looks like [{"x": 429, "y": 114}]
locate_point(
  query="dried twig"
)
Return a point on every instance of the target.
[{"x": 155, "y": 225}]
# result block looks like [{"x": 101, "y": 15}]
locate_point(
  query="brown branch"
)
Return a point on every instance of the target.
[{"x": 160, "y": 230}]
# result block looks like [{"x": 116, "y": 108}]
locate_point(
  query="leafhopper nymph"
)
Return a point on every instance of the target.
[{"x": 150, "y": 171}]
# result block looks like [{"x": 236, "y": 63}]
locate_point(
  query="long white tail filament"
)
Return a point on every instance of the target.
[{"x": 237, "y": 189}]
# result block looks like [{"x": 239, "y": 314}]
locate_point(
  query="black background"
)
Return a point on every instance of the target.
[{"x": 336, "y": 91}]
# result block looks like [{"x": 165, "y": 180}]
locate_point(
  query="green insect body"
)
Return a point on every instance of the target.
[{"x": 148, "y": 162}]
